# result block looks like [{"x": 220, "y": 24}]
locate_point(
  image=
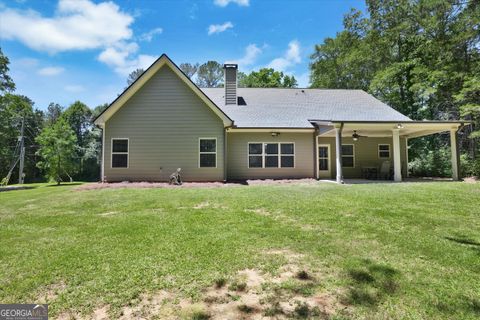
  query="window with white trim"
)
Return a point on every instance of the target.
[
  {"x": 348, "y": 156},
  {"x": 207, "y": 152},
  {"x": 271, "y": 155},
  {"x": 384, "y": 151},
  {"x": 120, "y": 153}
]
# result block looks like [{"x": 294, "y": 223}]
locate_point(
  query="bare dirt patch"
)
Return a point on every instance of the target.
[
  {"x": 109, "y": 213},
  {"x": 51, "y": 292},
  {"x": 207, "y": 204},
  {"x": 471, "y": 179},
  {"x": 260, "y": 211},
  {"x": 289, "y": 255},
  {"x": 292, "y": 292}
]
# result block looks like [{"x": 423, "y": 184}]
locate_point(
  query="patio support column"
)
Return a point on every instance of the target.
[
  {"x": 397, "y": 165},
  {"x": 406, "y": 157},
  {"x": 454, "y": 150},
  {"x": 338, "y": 142}
]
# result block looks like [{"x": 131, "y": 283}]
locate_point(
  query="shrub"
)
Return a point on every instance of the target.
[
  {"x": 469, "y": 167},
  {"x": 432, "y": 163}
]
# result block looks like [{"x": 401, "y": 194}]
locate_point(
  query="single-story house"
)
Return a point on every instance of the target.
[{"x": 163, "y": 121}]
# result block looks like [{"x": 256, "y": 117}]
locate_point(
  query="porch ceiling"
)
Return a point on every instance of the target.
[{"x": 410, "y": 129}]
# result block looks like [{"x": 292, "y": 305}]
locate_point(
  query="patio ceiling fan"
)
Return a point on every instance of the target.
[{"x": 356, "y": 136}]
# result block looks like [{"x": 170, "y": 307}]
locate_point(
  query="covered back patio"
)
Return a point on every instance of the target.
[{"x": 374, "y": 149}]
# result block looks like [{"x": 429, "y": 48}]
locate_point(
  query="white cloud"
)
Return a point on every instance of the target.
[
  {"x": 80, "y": 25},
  {"x": 291, "y": 57},
  {"x": 25, "y": 62},
  {"x": 252, "y": 51},
  {"x": 217, "y": 28},
  {"x": 303, "y": 80},
  {"x": 50, "y": 71},
  {"x": 76, "y": 25},
  {"x": 224, "y": 3},
  {"x": 74, "y": 88},
  {"x": 148, "y": 36},
  {"x": 121, "y": 58}
]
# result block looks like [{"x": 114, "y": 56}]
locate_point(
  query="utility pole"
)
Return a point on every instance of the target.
[{"x": 22, "y": 152}]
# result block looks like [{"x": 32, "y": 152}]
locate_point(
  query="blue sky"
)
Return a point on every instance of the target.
[{"x": 66, "y": 50}]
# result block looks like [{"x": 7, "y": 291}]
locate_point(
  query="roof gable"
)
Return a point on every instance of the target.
[{"x": 163, "y": 61}]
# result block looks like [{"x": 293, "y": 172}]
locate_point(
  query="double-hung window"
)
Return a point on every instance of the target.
[
  {"x": 271, "y": 155},
  {"x": 348, "y": 155},
  {"x": 207, "y": 152},
  {"x": 383, "y": 151},
  {"x": 120, "y": 153}
]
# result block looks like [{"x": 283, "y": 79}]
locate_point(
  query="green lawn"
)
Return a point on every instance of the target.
[{"x": 401, "y": 251}]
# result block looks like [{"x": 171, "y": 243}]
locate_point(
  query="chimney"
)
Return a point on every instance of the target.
[{"x": 230, "y": 83}]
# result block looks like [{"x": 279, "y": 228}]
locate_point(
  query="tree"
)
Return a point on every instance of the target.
[
  {"x": 189, "y": 69},
  {"x": 241, "y": 79},
  {"x": 6, "y": 82},
  {"x": 289, "y": 82},
  {"x": 99, "y": 109},
  {"x": 418, "y": 56},
  {"x": 57, "y": 149},
  {"x": 469, "y": 100},
  {"x": 54, "y": 111},
  {"x": 134, "y": 75},
  {"x": 78, "y": 115},
  {"x": 268, "y": 78},
  {"x": 13, "y": 110},
  {"x": 210, "y": 75}
]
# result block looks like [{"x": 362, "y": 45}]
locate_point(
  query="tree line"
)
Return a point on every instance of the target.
[
  {"x": 422, "y": 57},
  {"x": 60, "y": 143},
  {"x": 210, "y": 75}
]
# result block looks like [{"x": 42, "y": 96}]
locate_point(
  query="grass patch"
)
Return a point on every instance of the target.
[
  {"x": 245, "y": 308},
  {"x": 238, "y": 286},
  {"x": 303, "y": 275},
  {"x": 220, "y": 282},
  {"x": 389, "y": 250}
]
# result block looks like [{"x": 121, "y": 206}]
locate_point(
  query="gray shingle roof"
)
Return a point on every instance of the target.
[{"x": 292, "y": 108}]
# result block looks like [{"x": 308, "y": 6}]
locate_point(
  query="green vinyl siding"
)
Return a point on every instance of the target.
[
  {"x": 164, "y": 121},
  {"x": 237, "y": 150}
]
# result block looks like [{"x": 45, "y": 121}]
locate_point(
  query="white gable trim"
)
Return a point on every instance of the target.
[{"x": 149, "y": 73}]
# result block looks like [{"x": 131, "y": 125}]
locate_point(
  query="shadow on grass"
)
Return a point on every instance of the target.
[
  {"x": 469, "y": 304},
  {"x": 371, "y": 283},
  {"x": 475, "y": 306},
  {"x": 464, "y": 240},
  {"x": 65, "y": 184},
  {"x": 15, "y": 188}
]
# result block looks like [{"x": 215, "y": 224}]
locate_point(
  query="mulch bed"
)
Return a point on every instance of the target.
[{"x": 120, "y": 185}]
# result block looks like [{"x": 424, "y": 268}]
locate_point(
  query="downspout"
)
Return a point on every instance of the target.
[
  {"x": 102, "y": 165},
  {"x": 315, "y": 155},
  {"x": 225, "y": 153}
]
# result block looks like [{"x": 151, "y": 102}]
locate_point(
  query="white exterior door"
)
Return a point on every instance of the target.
[{"x": 323, "y": 161}]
